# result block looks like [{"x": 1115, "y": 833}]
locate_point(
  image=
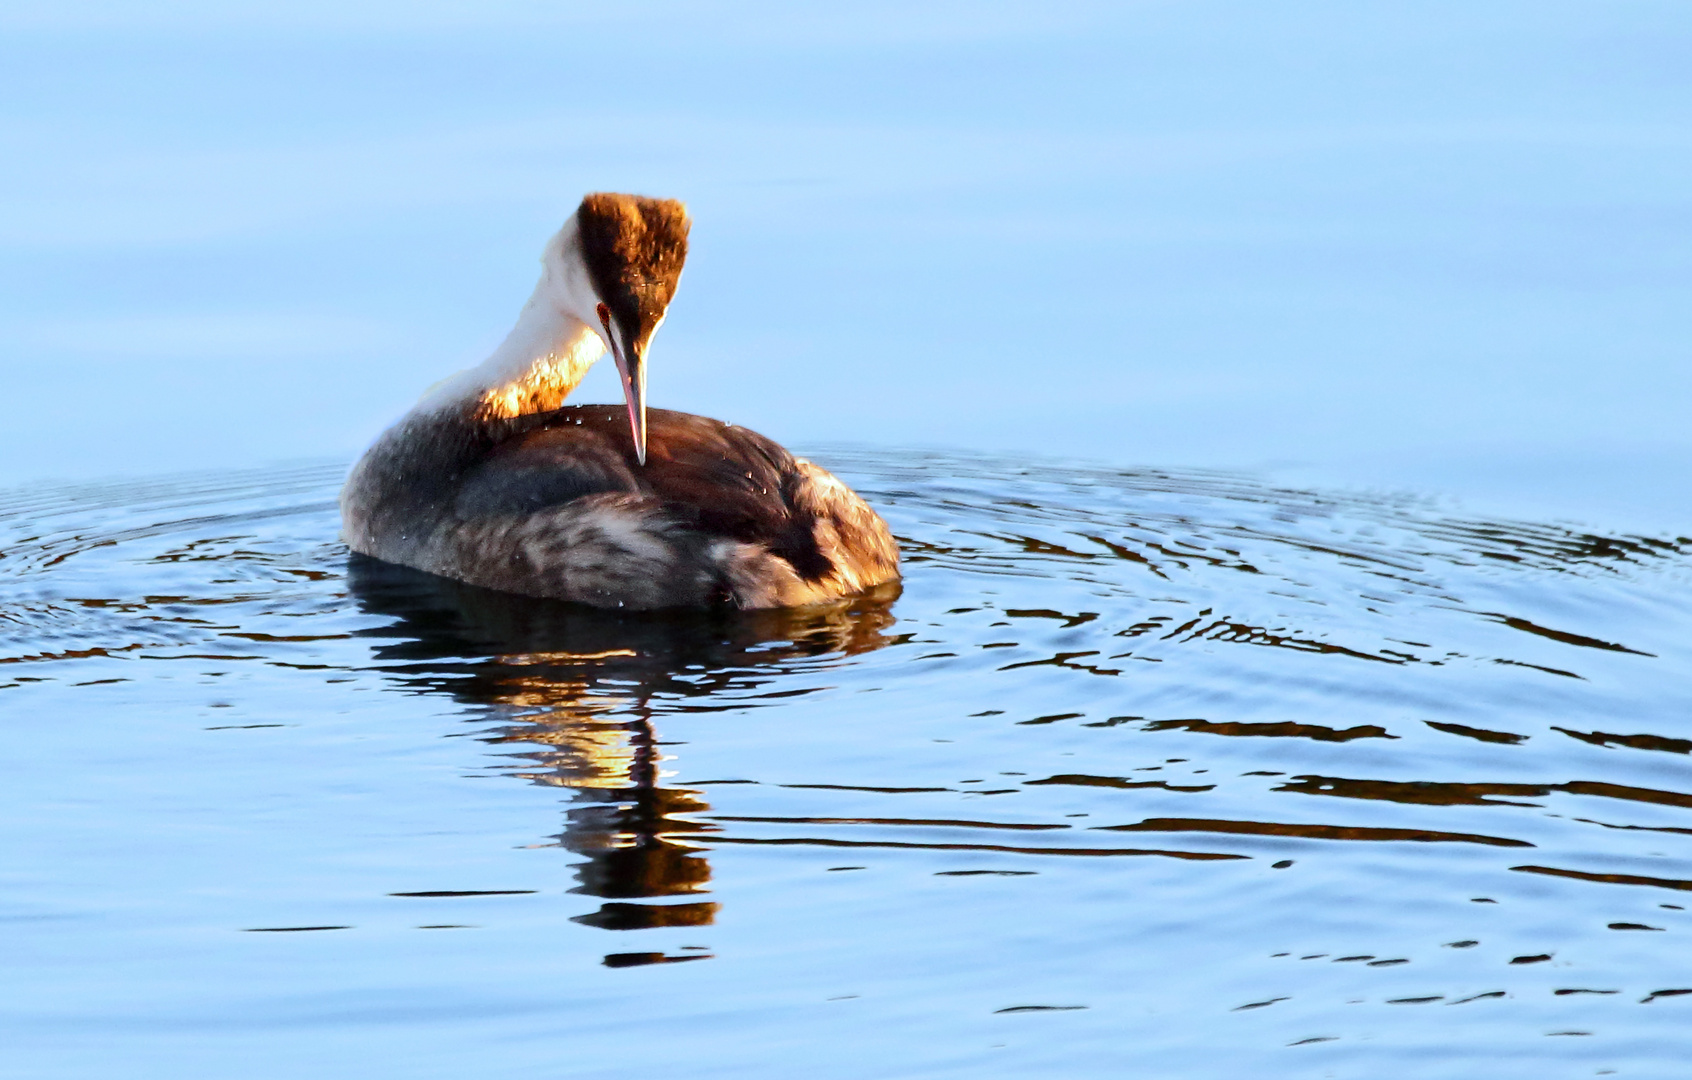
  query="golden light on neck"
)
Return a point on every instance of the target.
[{"x": 544, "y": 384}]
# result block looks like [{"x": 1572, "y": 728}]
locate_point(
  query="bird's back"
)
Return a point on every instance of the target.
[{"x": 555, "y": 504}]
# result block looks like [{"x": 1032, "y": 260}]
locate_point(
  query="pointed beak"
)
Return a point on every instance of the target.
[{"x": 632, "y": 369}]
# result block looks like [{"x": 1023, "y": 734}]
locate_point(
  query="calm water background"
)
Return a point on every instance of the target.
[
  {"x": 1392, "y": 297},
  {"x": 1440, "y": 245},
  {"x": 1146, "y": 773}
]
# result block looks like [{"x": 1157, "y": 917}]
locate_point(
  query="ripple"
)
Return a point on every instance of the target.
[{"x": 1338, "y": 714}]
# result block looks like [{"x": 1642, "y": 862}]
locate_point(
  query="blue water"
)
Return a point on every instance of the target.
[
  {"x": 1441, "y": 247},
  {"x": 1290, "y": 677},
  {"x": 1147, "y": 772}
]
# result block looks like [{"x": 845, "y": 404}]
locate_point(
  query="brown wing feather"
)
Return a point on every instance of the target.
[
  {"x": 555, "y": 504},
  {"x": 715, "y": 477}
]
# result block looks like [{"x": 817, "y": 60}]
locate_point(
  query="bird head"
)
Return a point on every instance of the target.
[{"x": 618, "y": 272}]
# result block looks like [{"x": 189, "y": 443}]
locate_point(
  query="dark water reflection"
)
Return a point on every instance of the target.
[
  {"x": 1217, "y": 777},
  {"x": 543, "y": 669}
]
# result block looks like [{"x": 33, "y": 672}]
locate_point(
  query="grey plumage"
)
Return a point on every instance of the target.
[{"x": 491, "y": 481}]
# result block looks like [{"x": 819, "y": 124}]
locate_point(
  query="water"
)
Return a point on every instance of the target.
[
  {"x": 1350, "y": 245},
  {"x": 1144, "y": 773},
  {"x": 1442, "y": 246}
]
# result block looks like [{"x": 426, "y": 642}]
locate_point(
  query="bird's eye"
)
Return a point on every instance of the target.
[{"x": 604, "y": 315}]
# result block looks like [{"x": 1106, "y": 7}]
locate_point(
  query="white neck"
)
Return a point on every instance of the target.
[{"x": 543, "y": 358}]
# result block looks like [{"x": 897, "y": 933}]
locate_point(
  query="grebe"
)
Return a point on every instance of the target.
[{"x": 489, "y": 480}]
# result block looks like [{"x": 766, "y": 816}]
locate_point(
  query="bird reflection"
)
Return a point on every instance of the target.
[{"x": 578, "y": 689}]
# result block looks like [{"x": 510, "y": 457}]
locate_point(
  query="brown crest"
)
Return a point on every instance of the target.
[{"x": 634, "y": 248}]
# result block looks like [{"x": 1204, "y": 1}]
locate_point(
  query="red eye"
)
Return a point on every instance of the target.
[{"x": 605, "y": 315}]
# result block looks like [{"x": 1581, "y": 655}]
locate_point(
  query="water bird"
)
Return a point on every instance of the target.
[{"x": 492, "y": 480}]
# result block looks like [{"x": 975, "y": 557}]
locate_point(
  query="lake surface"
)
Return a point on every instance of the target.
[{"x": 1146, "y": 773}]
